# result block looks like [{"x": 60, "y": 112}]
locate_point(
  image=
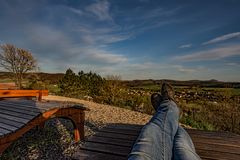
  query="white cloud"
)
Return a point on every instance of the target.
[
  {"x": 184, "y": 69},
  {"x": 223, "y": 38},
  {"x": 76, "y": 11},
  {"x": 100, "y": 9},
  {"x": 185, "y": 46},
  {"x": 211, "y": 54},
  {"x": 233, "y": 64},
  {"x": 104, "y": 57}
]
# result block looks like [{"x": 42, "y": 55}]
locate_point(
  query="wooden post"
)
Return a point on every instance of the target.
[{"x": 40, "y": 95}]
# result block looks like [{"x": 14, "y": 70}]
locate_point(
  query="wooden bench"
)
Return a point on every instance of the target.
[
  {"x": 19, "y": 116},
  {"x": 23, "y": 93}
]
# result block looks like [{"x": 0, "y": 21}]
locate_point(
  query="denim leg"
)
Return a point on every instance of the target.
[
  {"x": 183, "y": 146},
  {"x": 155, "y": 141}
]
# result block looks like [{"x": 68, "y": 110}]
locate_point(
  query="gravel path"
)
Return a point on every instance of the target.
[{"x": 104, "y": 114}]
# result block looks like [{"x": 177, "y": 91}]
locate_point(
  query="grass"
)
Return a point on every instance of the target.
[
  {"x": 233, "y": 91},
  {"x": 6, "y": 80}
]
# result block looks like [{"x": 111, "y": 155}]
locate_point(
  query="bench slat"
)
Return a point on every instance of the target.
[
  {"x": 22, "y": 93},
  {"x": 4, "y": 131},
  {"x": 112, "y": 141},
  {"x": 31, "y": 110},
  {"x": 10, "y": 122},
  {"x": 16, "y": 114},
  {"x": 17, "y": 119},
  {"x": 27, "y": 112},
  {"x": 106, "y": 148},
  {"x": 91, "y": 155},
  {"x": 218, "y": 148},
  {"x": 20, "y": 105},
  {"x": 8, "y": 127},
  {"x": 115, "y": 136},
  {"x": 42, "y": 106}
]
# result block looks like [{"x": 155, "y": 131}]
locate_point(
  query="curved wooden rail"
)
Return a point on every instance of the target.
[{"x": 11, "y": 129}]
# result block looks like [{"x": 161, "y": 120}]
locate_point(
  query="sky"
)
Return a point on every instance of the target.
[{"x": 135, "y": 39}]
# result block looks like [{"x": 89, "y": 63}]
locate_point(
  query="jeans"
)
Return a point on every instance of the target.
[{"x": 162, "y": 138}]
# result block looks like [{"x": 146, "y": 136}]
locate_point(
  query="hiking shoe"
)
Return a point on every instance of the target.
[
  {"x": 167, "y": 92},
  {"x": 156, "y": 98}
]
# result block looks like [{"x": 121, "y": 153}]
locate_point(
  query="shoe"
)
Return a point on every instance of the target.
[
  {"x": 167, "y": 92},
  {"x": 156, "y": 98}
]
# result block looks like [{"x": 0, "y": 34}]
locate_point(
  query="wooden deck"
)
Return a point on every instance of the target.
[
  {"x": 114, "y": 142},
  {"x": 19, "y": 116}
]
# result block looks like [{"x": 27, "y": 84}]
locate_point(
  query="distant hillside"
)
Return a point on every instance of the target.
[
  {"x": 190, "y": 83},
  {"x": 52, "y": 77},
  {"x": 55, "y": 77}
]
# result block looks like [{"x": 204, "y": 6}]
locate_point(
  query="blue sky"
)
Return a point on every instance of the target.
[{"x": 136, "y": 39}]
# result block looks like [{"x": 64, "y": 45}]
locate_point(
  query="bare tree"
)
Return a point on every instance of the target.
[{"x": 17, "y": 61}]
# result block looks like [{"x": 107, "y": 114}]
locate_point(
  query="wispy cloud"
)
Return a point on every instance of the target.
[
  {"x": 98, "y": 55},
  {"x": 223, "y": 38},
  {"x": 233, "y": 64},
  {"x": 185, "y": 46},
  {"x": 100, "y": 9},
  {"x": 76, "y": 11},
  {"x": 187, "y": 70},
  {"x": 211, "y": 54}
]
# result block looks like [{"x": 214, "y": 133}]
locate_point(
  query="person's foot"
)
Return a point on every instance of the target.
[
  {"x": 156, "y": 98},
  {"x": 167, "y": 92}
]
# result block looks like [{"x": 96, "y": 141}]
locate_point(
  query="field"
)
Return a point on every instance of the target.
[{"x": 207, "y": 108}]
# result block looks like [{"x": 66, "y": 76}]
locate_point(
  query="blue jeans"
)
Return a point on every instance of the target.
[{"x": 162, "y": 138}]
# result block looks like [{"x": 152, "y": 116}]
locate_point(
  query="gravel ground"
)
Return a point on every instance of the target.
[{"x": 55, "y": 141}]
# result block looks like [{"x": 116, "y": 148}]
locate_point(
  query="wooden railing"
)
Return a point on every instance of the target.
[{"x": 23, "y": 93}]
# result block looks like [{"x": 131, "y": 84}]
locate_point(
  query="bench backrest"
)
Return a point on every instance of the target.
[{"x": 23, "y": 93}]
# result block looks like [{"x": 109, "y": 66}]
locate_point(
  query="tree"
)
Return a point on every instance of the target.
[{"x": 17, "y": 61}]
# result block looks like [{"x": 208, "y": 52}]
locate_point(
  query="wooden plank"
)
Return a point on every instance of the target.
[
  {"x": 222, "y": 141},
  {"x": 129, "y": 127},
  {"x": 219, "y": 148},
  {"x": 29, "y": 106},
  {"x": 13, "y": 118},
  {"x": 16, "y": 114},
  {"x": 212, "y": 133},
  {"x": 91, "y": 155},
  {"x": 214, "y": 155},
  {"x": 120, "y": 131},
  {"x": 8, "y": 127},
  {"x": 19, "y": 110},
  {"x": 23, "y": 93},
  {"x": 12, "y": 123},
  {"x": 105, "y": 140},
  {"x": 30, "y": 109},
  {"x": 115, "y": 136},
  {"x": 106, "y": 148},
  {"x": 4, "y": 131}
]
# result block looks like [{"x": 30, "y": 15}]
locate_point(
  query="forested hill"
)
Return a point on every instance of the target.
[
  {"x": 52, "y": 77},
  {"x": 55, "y": 77}
]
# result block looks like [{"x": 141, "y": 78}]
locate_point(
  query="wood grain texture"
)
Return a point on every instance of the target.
[
  {"x": 116, "y": 140},
  {"x": 19, "y": 116},
  {"x": 23, "y": 93}
]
